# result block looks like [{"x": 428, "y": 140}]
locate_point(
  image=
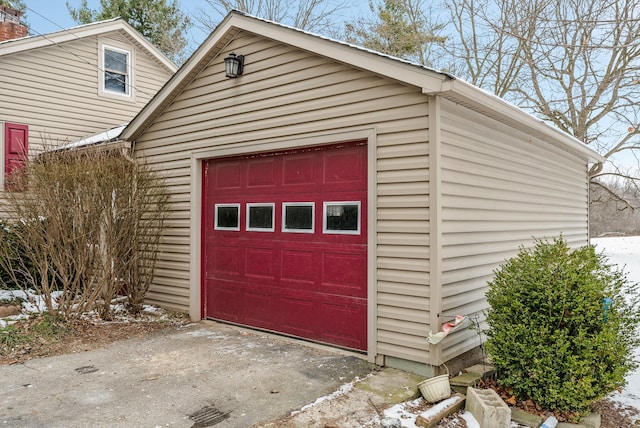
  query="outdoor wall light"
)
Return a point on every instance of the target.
[{"x": 234, "y": 65}]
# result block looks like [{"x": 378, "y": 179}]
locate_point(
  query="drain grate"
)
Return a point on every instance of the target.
[
  {"x": 208, "y": 416},
  {"x": 86, "y": 369}
]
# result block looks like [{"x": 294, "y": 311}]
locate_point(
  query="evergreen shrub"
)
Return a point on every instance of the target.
[{"x": 562, "y": 326}]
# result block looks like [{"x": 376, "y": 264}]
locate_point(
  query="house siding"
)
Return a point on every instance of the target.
[
  {"x": 500, "y": 190},
  {"x": 54, "y": 89},
  {"x": 288, "y": 95}
]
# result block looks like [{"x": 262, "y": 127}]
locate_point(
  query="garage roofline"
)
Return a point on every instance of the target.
[{"x": 431, "y": 82}]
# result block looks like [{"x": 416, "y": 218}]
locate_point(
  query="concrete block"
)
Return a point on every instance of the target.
[
  {"x": 527, "y": 419},
  {"x": 431, "y": 417},
  {"x": 481, "y": 368},
  {"x": 462, "y": 382},
  {"x": 486, "y": 371},
  {"x": 488, "y": 408},
  {"x": 569, "y": 425},
  {"x": 592, "y": 420}
]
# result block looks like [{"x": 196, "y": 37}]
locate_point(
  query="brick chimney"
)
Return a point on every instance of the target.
[{"x": 10, "y": 27}]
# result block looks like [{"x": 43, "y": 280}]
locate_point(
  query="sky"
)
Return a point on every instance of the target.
[{"x": 46, "y": 16}]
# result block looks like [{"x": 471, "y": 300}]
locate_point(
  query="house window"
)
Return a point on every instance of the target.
[
  {"x": 260, "y": 217},
  {"x": 227, "y": 217},
  {"x": 297, "y": 217},
  {"x": 342, "y": 218},
  {"x": 116, "y": 71},
  {"x": 16, "y": 150}
]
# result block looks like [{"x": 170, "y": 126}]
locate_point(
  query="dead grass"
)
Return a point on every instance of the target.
[{"x": 44, "y": 336}]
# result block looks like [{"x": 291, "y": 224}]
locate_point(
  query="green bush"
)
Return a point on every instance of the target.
[{"x": 549, "y": 335}]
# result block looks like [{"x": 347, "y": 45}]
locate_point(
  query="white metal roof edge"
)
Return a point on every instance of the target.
[
  {"x": 102, "y": 137},
  {"x": 385, "y": 65},
  {"x": 429, "y": 80},
  {"x": 461, "y": 90},
  {"x": 96, "y": 28}
]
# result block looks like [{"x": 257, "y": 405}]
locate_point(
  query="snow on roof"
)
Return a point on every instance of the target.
[
  {"x": 107, "y": 136},
  {"x": 344, "y": 43}
]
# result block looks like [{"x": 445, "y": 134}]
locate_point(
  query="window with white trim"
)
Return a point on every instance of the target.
[
  {"x": 227, "y": 217},
  {"x": 297, "y": 217},
  {"x": 260, "y": 217},
  {"x": 116, "y": 71},
  {"x": 341, "y": 218}
]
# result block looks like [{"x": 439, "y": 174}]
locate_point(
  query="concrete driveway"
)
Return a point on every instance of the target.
[{"x": 203, "y": 373}]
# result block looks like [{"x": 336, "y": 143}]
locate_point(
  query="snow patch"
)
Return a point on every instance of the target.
[
  {"x": 625, "y": 253},
  {"x": 344, "y": 389}
]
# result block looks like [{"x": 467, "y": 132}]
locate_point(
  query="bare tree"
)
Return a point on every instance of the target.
[
  {"x": 87, "y": 226},
  {"x": 574, "y": 63},
  {"x": 312, "y": 15},
  {"x": 610, "y": 212}
]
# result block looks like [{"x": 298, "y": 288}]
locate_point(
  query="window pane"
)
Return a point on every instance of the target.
[
  {"x": 260, "y": 217},
  {"x": 115, "y": 61},
  {"x": 227, "y": 217},
  {"x": 342, "y": 217},
  {"x": 298, "y": 217},
  {"x": 115, "y": 82}
]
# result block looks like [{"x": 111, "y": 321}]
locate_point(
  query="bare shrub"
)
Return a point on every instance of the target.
[{"x": 89, "y": 224}]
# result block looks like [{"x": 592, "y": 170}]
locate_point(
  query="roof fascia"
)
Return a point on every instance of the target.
[
  {"x": 176, "y": 82},
  {"x": 82, "y": 31},
  {"x": 465, "y": 93},
  {"x": 361, "y": 58},
  {"x": 237, "y": 21}
]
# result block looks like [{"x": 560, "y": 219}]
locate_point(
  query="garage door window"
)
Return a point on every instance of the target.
[
  {"x": 297, "y": 217},
  {"x": 260, "y": 217},
  {"x": 342, "y": 218},
  {"x": 227, "y": 217}
]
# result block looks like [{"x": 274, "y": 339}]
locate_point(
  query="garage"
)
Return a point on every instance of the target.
[
  {"x": 277, "y": 221},
  {"x": 284, "y": 242}
]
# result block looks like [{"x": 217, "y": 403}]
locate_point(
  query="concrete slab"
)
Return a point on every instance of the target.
[
  {"x": 243, "y": 376},
  {"x": 358, "y": 404}
]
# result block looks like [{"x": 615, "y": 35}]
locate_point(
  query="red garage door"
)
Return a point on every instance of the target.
[{"x": 285, "y": 242}]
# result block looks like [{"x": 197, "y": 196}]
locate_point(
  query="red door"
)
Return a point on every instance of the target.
[
  {"x": 16, "y": 146},
  {"x": 285, "y": 242}
]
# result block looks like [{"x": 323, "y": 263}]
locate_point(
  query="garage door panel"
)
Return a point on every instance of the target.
[
  {"x": 298, "y": 266},
  {"x": 261, "y": 263},
  {"x": 224, "y": 299},
  {"x": 261, "y": 173},
  {"x": 341, "y": 320},
  {"x": 226, "y": 261},
  {"x": 299, "y": 169},
  {"x": 304, "y": 282},
  {"x": 258, "y": 309},
  {"x": 344, "y": 167},
  {"x": 300, "y": 317},
  {"x": 228, "y": 176},
  {"x": 343, "y": 273}
]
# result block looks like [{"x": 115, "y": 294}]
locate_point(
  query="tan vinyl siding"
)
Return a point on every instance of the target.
[
  {"x": 500, "y": 189},
  {"x": 285, "y": 95},
  {"x": 54, "y": 89}
]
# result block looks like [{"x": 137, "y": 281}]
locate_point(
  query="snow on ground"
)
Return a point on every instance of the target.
[
  {"x": 625, "y": 252},
  {"x": 33, "y": 303},
  {"x": 621, "y": 251}
]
